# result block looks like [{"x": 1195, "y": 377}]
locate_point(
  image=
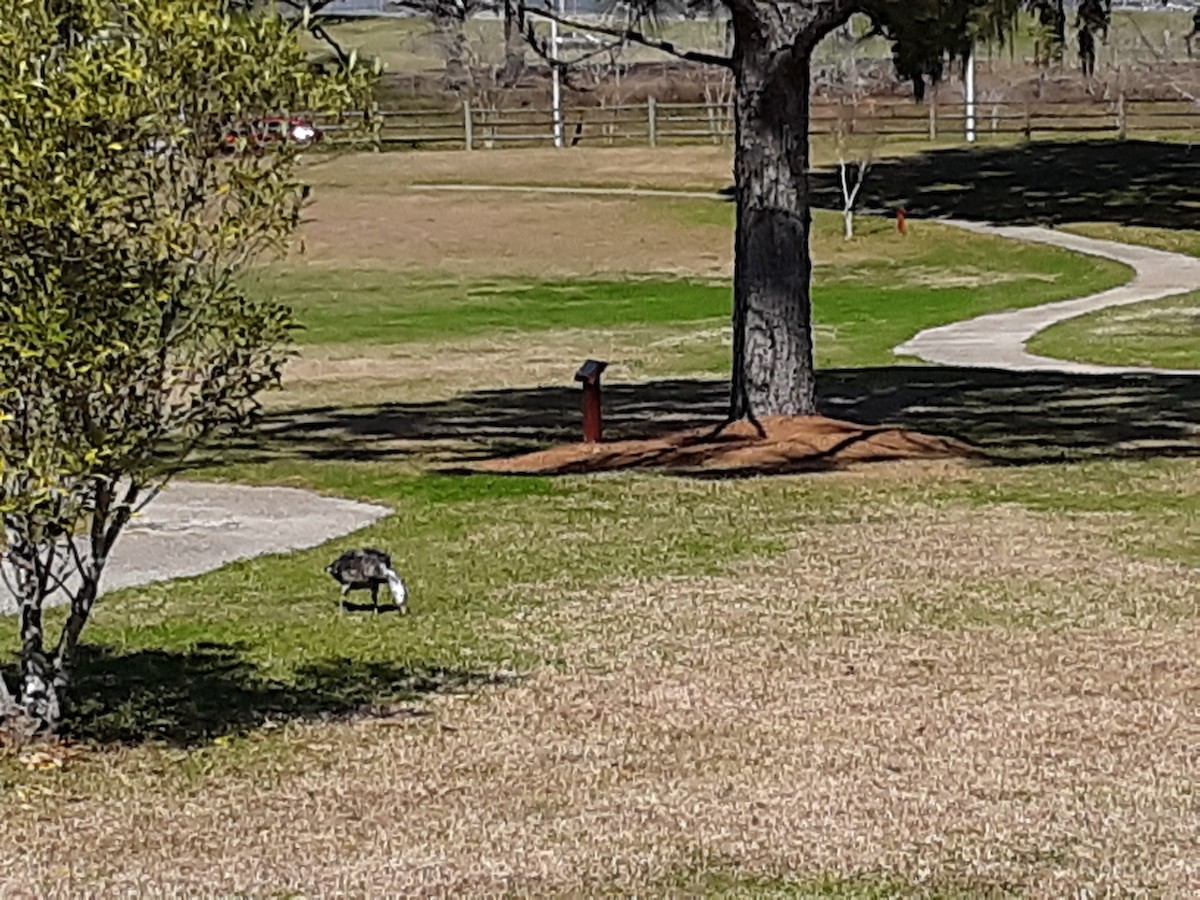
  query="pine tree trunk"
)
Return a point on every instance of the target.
[{"x": 772, "y": 320}]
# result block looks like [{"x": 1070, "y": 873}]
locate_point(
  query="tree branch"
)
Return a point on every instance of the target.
[
  {"x": 315, "y": 28},
  {"x": 631, "y": 35}
]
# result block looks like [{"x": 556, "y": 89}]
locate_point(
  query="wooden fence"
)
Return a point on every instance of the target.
[{"x": 653, "y": 124}]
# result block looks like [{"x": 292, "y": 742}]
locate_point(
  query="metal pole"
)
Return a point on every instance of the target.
[
  {"x": 555, "y": 82},
  {"x": 970, "y": 92}
]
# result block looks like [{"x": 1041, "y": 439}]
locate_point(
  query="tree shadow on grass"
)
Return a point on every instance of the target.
[
  {"x": 186, "y": 699},
  {"x": 1012, "y": 416},
  {"x": 1147, "y": 183}
]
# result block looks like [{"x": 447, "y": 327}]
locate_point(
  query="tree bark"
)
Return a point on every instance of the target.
[
  {"x": 39, "y": 705},
  {"x": 81, "y": 610},
  {"x": 772, "y": 317}
]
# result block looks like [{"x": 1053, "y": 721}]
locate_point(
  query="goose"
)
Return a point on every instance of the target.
[{"x": 369, "y": 569}]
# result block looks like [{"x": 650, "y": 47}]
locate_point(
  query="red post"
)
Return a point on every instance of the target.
[
  {"x": 589, "y": 375},
  {"x": 902, "y": 221},
  {"x": 593, "y": 425}
]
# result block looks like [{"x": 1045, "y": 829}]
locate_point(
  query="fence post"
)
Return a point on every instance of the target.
[
  {"x": 933, "y": 115},
  {"x": 652, "y": 121},
  {"x": 1121, "y": 121},
  {"x": 468, "y": 126}
]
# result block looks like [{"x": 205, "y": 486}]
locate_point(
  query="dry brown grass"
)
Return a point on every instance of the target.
[
  {"x": 491, "y": 235},
  {"x": 369, "y": 212},
  {"x": 871, "y": 701},
  {"x": 686, "y": 168},
  {"x": 355, "y": 375}
]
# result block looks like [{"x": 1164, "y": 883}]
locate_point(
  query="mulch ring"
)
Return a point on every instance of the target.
[{"x": 785, "y": 444}]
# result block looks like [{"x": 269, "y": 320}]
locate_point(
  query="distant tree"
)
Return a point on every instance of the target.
[
  {"x": 125, "y": 337},
  {"x": 449, "y": 21},
  {"x": 855, "y": 150}
]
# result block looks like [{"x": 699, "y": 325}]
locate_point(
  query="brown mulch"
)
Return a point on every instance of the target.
[{"x": 786, "y": 444}]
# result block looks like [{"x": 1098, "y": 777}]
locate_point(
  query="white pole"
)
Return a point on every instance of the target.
[
  {"x": 970, "y": 92},
  {"x": 555, "y": 83}
]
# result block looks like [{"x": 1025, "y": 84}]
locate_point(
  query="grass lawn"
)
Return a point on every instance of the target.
[
  {"x": 1173, "y": 240},
  {"x": 395, "y": 306},
  {"x": 1160, "y": 333},
  {"x": 901, "y": 680}
]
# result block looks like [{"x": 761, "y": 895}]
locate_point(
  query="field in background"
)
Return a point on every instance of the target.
[
  {"x": 1146, "y": 84},
  {"x": 411, "y": 45},
  {"x": 912, "y": 680}
]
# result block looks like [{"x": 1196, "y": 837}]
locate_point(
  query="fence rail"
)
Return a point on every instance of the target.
[{"x": 474, "y": 127}]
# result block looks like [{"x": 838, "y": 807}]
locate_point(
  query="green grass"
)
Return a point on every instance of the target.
[
  {"x": 1160, "y": 333},
  {"x": 1173, "y": 240},
  {"x": 869, "y": 294},
  {"x": 1153, "y": 496},
  {"x": 194, "y": 658},
  {"x": 382, "y": 307}
]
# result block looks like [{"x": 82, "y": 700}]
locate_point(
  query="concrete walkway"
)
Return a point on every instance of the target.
[
  {"x": 194, "y": 527},
  {"x": 997, "y": 340}
]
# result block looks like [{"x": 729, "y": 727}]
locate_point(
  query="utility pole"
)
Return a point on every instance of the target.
[
  {"x": 555, "y": 80},
  {"x": 969, "y": 86}
]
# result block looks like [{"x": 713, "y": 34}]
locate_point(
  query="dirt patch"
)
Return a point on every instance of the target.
[{"x": 786, "y": 444}]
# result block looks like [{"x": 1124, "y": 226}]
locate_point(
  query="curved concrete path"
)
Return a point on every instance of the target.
[
  {"x": 997, "y": 340},
  {"x": 194, "y": 527}
]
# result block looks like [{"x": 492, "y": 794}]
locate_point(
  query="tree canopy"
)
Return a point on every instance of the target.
[{"x": 126, "y": 218}]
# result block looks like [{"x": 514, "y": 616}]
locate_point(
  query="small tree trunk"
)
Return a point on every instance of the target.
[
  {"x": 514, "y": 53},
  {"x": 81, "y": 610},
  {"x": 450, "y": 34},
  {"x": 772, "y": 305},
  {"x": 38, "y": 708},
  {"x": 107, "y": 523},
  {"x": 848, "y": 222}
]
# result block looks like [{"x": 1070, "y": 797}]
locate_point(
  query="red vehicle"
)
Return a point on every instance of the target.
[{"x": 264, "y": 132}]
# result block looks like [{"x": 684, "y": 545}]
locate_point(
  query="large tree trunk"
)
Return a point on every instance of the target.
[{"x": 772, "y": 319}]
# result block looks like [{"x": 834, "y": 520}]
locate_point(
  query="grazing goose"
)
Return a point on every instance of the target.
[{"x": 369, "y": 569}]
